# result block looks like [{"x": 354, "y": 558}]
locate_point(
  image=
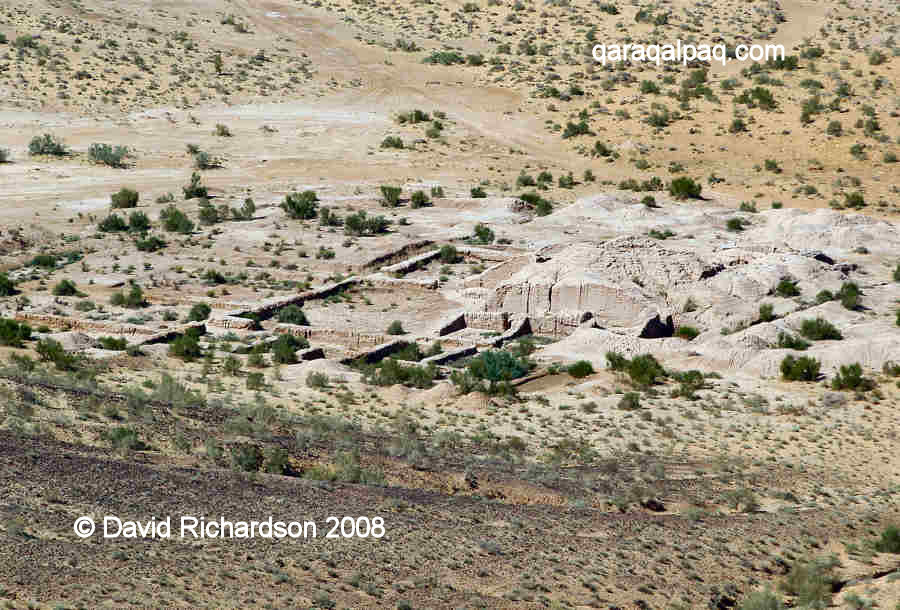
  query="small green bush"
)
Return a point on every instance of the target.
[
  {"x": 483, "y": 234},
  {"x": 787, "y": 288},
  {"x": 47, "y": 144},
  {"x": 195, "y": 190},
  {"x": 390, "y": 195},
  {"x": 293, "y": 314},
  {"x": 106, "y": 154},
  {"x": 580, "y": 369},
  {"x": 65, "y": 288},
  {"x": 687, "y": 332},
  {"x": 7, "y": 286},
  {"x": 199, "y": 312},
  {"x": 112, "y": 224},
  {"x": 185, "y": 347},
  {"x": 890, "y": 540},
  {"x": 392, "y": 142},
  {"x": 819, "y": 329},
  {"x": 12, "y": 333},
  {"x": 850, "y": 377},
  {"x": 395, "y": 328},
  {"x": 684, "y": 188},
  {"x": 449, "y": 254},
  {"x": 419, "y": 200},
  {"x": 175, "y": 221},
  {"x": 803, "y": 368},
  {"x": 124, "y": 198}
]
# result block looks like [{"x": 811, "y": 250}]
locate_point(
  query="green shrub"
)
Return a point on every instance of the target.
[
  {"x": 849, "y": 295},
  {"x": 12, "y": 333},
  {"x": 51, "y": 350},
  {"x": 47, "y": 261},
  {"x": 576, "y": 129},
  {"x": 419, "y": 200},
  {"x": 7, "y": 286},
  {"x": 293, "y": 314},
  {"x": 824, "y": 296},
  {"x": 317, "y": 381},
  {"x": 391, "y": 372},
  {"x": 541, "y": 206},
  {"x": 630, "y": 401},
  {"x": 850, "y": 377},
  {"x": 47, "y": 144},
  {"x": 124, "y": 198},
  {"x": 811, "y": 582},
  {"x": 362, "y": 224},
  {"x": 301, "y": 206},
  {"x": 133, "y": 300},
  {"x": 787, "y": 288},
  {"x": 449, "y": 254},
  {"x": 643, "y": 370},
  {"x": 819, "y": 329},
  {"x": 112, "y": 224},
  {"x": 150, "y": 244},
  {"x": 786, "y": 341},
  {"x": 390, "y": 195},
  {"x": 117, "y": 344},
  {"x": 106, "y": 154},
  {"x": 284, "y": 349},
  {"x": 580, "y": 369},
  {"x": 687, "y": 332},
  {"x": 476, "y": 192},
  {"x": 890, "y": 540},
  {"x": 803, "y": 368},
  {"x": 123, "y": 437},
  {"x": 395, "y": 328},
  {"x": 392, "y": 142},
  {"x": 766, "y": 312},
  {"x": 194, "y": 189},
  {"x": 4, "y": 155},
  {"x": 65, "y": 288},
  {"x": 446, "y": 58},
  {"x": 483, "y": 234},
  {"x": 199, "y": 312},
  {"x": 685, "y": 188},
  {"x": 736, "y": 225},
  {"x": 175, "y": 221},
  {"x": 185, "y": 347},
  {"x": 761, "y": 600}
]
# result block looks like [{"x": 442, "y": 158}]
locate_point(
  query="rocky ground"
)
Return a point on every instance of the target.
[{"x": 618, "y": 337}]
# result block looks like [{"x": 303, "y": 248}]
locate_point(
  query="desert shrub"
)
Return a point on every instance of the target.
[
  {"x": 7, "y": 286},
  {"x": 47, "y": 144},
  {"x": 766, "y": 312},
  {"x": 448, "y": 255},
  {"x": 138, "y": 222},
  {"x": 850, "y": 377},
  {"x": 757, "y": 97},
  {"x": 787, "y": 341},
  {"x": 648, "y": 87},
  {"x": 849, "y": 295},
  {"x": 630, "y": 401},
  {"x": 686, "y": 332},
  {"x": 811, "y": 582},
  {"x": 392, "y": 142},
  {"x": 541, "y": 206},
  {"x": 65, "y": 288},
  {"x": 47, "y": 261},
  {"x": 175, "y": 221},
  {"x": 199, "y": 312},
  {"x": 787, "y": 288},
  {"x": 106, "y": 154},
  {"x": 685, "y": 188},
  {"x": 476, "y": 192},
  {"x": 255, "y": 381},
  {"x": 185, "y": 347},
  {"x": 395, "y": 328},
  {"x": 819, "y": 329},
  {"x": 576, "y": 129},
  {"x": 736, "y": 225},
  {"x": 824, "y": 296},
  {"x": 437, "y": 192},
  {"x": 390, "y": 195},
  {"x": 362, "y": 224},
  {"x": 889, "y": 541},
  {"x": 112, "y": 224},
  {"x": 150, "y": 244},
  {"x": 483, "y": 234},
  {"x": 248, "y": 458},
  {"x": 645, "y": 370},
  {"x": 118, "y": 344},
  {"x": 284, "y": 349},
  {"x": 12, "y": 333},
  {"x": 124, "y": 198},
  {"x": 317, "y": 380},
  {"x": 222, "y": 131},
  {"x": 445, "y": 58},
  {"x": 123, "y": 437},
  {"x": 580, "y": 369},
  {"x": 301, "y": 206},
  {"x": 133, "y": 300},
  {"x": 194, "y": 189},
  {"x": 391, "y": 372},
  {"x": 803, "y": 368},
  {"x": 761, "y": 600},
  {"x": 51, "y": 350},
  {"x": 4, "y": 155},
  {"x": 419, "y": 200},
  {"x": 413, "y": 116},
  {"x": 293, "y": 314}
]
